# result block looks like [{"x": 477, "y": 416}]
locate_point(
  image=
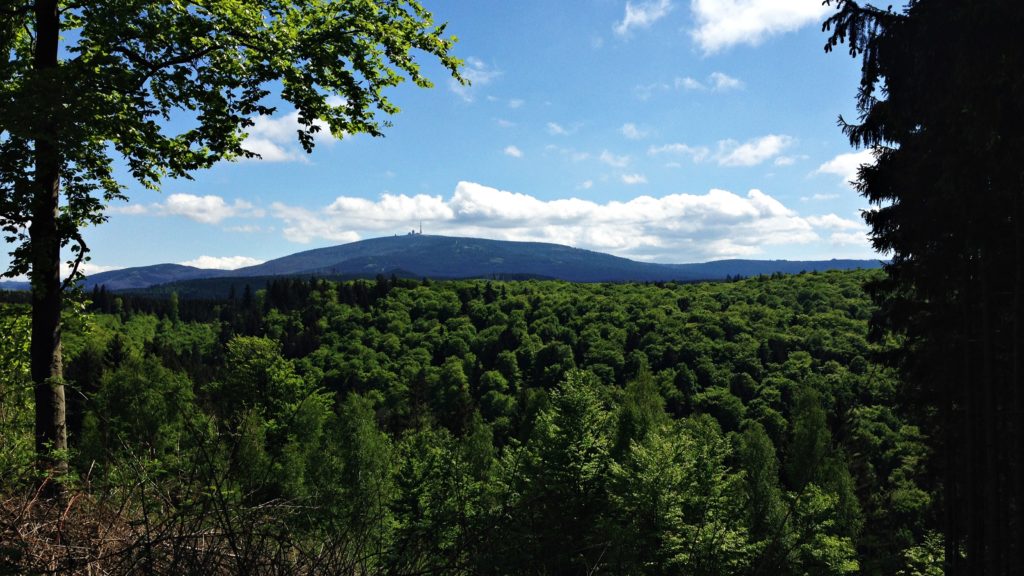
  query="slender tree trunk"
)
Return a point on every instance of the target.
[
  {"x": 988, "y": 489},
  {"x": 47, "y": 370},
  {"x": 1016, "y": 444}
]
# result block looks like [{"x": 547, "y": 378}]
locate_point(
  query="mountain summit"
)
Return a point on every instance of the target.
[
  {"x": 455, "y": 257},
  {"x": 446, "y": 257}
]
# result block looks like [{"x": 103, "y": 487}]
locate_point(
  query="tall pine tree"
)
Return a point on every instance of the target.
[{"x": 942, "y": 105}]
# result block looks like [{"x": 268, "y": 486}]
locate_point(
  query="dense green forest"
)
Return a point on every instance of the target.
[{"x": 473, "y": 427}]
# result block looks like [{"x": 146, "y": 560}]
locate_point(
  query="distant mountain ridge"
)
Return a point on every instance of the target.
[
  {"x": 446, "y": 257},
  {"x": 146, "y": 276},
  {"x": 454, "y": 257}
]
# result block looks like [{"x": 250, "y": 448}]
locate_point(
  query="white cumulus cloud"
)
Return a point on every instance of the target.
[
  {"x": 478, "y": 73},
  {"x": 276, "y": 139},
  {"x": 513, "y": 151},
  {"x": 696, "y": 153},
  {"x": 303, "y": 226},
  {"x": 646, "y": 91},
  {"x": 721, "y": 82},
  {"x": 725, "y": 23},
  {"x": 834, "y": 221},
  {"x": 131, "y": 209},
  {"x": 716, "y": 82},
  {"x": 613, "y": 160},
  {"x": 209, "y": 209},
  {"x": 730, "y": 152},
  {"x": 846, "y": 165},
  {"x": 270, "y": 151},
  {"x": 819, "y": 197},
  {"x": 222, "y": 262},
  {"x": 751, "y": 152},
  {"x": 689, "y": 83},
  {"x": 673, "y": 228},
  {"x": 630, "y": 131},
  {"x": 857, "y": 239},
  {"x": 87, "y": 268},
  {"x": 631, "y": 179},
  {"x": 642, "y": 15},
  {"x": 556, "y": 129},
  {"x": 843, "y": 232},
  {"x": 247, "y": 229},
  {"x": 390, "y": 208}
]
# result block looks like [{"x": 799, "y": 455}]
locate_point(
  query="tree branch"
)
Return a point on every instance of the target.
[
  {"x": 18, "y": 11},
  {"x": 151, "y": 68},
  {"x": 82, "y": 251}
]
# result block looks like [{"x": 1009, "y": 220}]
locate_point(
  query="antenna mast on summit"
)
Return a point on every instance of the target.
[{"x": 421, "y": 227}]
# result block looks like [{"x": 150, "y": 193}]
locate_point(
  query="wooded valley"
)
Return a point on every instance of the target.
[{"x": 473, "y": 427}]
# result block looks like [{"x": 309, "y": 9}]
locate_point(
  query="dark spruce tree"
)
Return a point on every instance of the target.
[{"x": 941, "y": 104}]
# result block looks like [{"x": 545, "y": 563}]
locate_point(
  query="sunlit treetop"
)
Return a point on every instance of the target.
[{"x": 124, "y": 70}]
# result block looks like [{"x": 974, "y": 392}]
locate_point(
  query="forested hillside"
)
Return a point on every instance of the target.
[{"x": 472, "y": 427}]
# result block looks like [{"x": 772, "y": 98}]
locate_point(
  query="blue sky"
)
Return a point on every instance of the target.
[{"x": 665, "y": 130}]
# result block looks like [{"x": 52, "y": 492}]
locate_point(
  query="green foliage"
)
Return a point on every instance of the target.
[
  {"x": 722, "y": 405},
  {"x": 641, "y": 413},
  {"x": 141, "y": 410},
  {"x": 813, "y": 545},
  {"x": 682, "y": 506},
  {"x": 83, "y": 84},
  {"x": 259, "y": 377},
  {"x": 810, "y": 439},
  {"x": 16, "y": 444},
  {"x": 444, "y": 495},
  {"x": 425, "y": 431},
  {"x": 926, "y": 558},
  {"x": 557, "y": 485},
  {"x": 278, "y": 416},
  {"x": 351, "y": 480},
  {"x": 757, "y": 456}
]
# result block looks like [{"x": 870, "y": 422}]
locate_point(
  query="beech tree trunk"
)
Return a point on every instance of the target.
[{"x": 46, "y": 364}]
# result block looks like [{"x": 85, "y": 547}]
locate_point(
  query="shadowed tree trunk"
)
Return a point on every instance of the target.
[{"x": 47, "y": 371}]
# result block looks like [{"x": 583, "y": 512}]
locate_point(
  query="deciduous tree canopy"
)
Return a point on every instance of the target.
[
  {"x": 163, "y": 89},
  {"x": 400, "y": 427}
]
